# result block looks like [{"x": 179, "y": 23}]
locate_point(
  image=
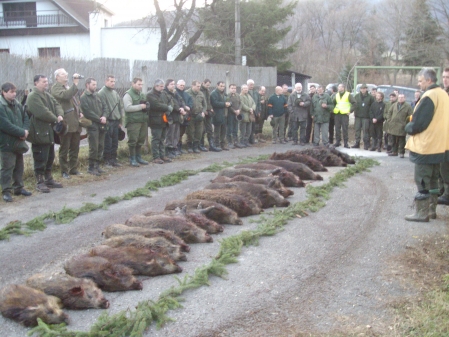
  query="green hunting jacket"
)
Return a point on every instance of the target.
[
  {"x": 92, "y": 106},
  {"x": 320, "y": 114},
  {"x": 363, "y": 104},
  {"x": 218, "y": 101},
  {"x": 44, "y": 110},
  {"x": 398, "y": 117},
  {"x": 247, "y": 104},
  {"x": 13, "y": 123},
  {"x": 66, "y": 98},
  {"x": 199, "y": 104},
  {"x": 133, "y": 110}
]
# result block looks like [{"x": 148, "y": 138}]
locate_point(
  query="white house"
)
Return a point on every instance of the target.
[{"x": 80, "y": 29}]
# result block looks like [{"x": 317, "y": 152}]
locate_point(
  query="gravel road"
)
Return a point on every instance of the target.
[{"x": 324, "y": 273}]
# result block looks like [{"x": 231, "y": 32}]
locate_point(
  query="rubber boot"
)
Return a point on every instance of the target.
[
  {"x": 366, "y": 145},
  {"x": 40, "y": 185},
  {"x": 180, "y": 150},
  {"x": 433, "y": 206},
  {"x": 50, "y": 182},
  {"x": 386, "y": 141},
  {"x": 139, "y": 159},
  {"x": 132, "y": 157},
  {"x": 195, "y": 147},
  {"x": 201, "y": 146},
  {"x": 356, "y": 145},
  {"x": 212, "y": 146},
  {"x": 422, "y": 208},
  {"x": 99, "y": 169},
  {"x": 379, "y": 145},
  {"x": 190, "y": 147},
  {"x": 92, "y": 168},
  {"x": 374, "y": 146}
]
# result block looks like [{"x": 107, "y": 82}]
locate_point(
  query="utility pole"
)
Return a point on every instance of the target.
[{"x": 238, "y": 42}]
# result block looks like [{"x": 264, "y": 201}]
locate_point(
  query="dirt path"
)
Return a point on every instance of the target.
[{"x": 325, "y": 273}]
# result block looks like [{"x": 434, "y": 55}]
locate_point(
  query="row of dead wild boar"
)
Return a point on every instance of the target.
[{"x": 152, "y": 243}]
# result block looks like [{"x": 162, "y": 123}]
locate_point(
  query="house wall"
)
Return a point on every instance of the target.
[{"x": 73, "y": 46}]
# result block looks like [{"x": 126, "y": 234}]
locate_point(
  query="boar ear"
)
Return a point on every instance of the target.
[
  {"x": 76, "y": 291},
  {"x": 207, "y": 210},
  {"x": 271, "y": 183}
]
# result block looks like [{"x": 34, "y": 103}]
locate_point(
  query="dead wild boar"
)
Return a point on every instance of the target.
[
  {"x": 157, "y": 244},
  {"x": 325, "y": 156},
  {"x": 298, "y": 157},
  {"x": 181, "y": 226},
  {"x": 142, "y": 261},
  {"x": 196, "y": 216},
  {"x": 107, "y": 275},
  {"x": 232, "y": 172},
  {"x": 25, "y": 305},
  {"x": 344, "y": 156},
  {"x": 271, "y": 182},
  {"x": 118, "y": 229},
  {"x": 74, "y": 293},
  {"x": 215, "y": 211},
  {"x": 287, "y": 178},
  {"x": 301, "y": 170},
  {"x": 267, "y": 197},
  {"x": 259, "y": 166},
  {"x": 242, "y": 203}
]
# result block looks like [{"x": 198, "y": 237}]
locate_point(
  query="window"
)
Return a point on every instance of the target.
[
  {"x": 49, "y": 52},
  {"x": 6, "y": 51},
  {"x": 106, "y": 23},
  {"x": 20, "y": 11}
]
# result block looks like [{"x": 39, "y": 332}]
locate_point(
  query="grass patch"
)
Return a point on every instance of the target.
[
  {"x": 424, "y": 268},
  {"x": 134, "y": 323}
]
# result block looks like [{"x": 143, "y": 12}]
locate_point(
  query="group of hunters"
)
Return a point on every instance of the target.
[{"x": 228, "y": 119}]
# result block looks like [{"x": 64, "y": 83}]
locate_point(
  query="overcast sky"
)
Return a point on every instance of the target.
[{"x": 133, "y": 9}]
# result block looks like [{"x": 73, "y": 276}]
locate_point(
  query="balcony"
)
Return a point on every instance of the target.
[{"x": 27, "y": 19}]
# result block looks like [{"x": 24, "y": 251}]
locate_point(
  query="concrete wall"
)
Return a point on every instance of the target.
[{"x": 73, "y": 46}]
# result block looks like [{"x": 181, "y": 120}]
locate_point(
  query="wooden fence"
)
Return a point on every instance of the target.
[{"x": 21, "y": 71}]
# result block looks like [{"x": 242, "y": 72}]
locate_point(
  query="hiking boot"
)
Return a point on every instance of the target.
[
  {"x": 166, "y": 160},
  {"x": 50, "y": 182},
  {"x": 23, "y": 192},
  {"x": 41, "y": 186},
  {"x": 356, "y": 146},
  {"x": 443, "y": 200},
  {"x": 7, "y": 196},
  {"x": 158, "y": 161}
]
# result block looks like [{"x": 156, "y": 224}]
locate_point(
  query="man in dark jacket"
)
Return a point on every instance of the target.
[
  {"x": 362, "y": 119},
  {"x": 277, "y": 108},
  {"x": 207, "y": 122},
  {"x": 232, "y": 121},
  {"x": 14, "y": 125},
  {"x": 45, "y": 113},
  {"x": 160, "y": 109},
  {"x": 172, "y": 137},
  {"x": 321, "y": 110},
  {"x": 198, "y": 112},
  {"x": 220, "y": 104},
  {"x": 298, "y": 104},
  {"x": 376, "y": 114},
  {"x": 94, "y": 110},
  {"x": 114, "y": 105},
  {"x": 188, "y": 104},
  {"x": 70, "y": 142}
]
